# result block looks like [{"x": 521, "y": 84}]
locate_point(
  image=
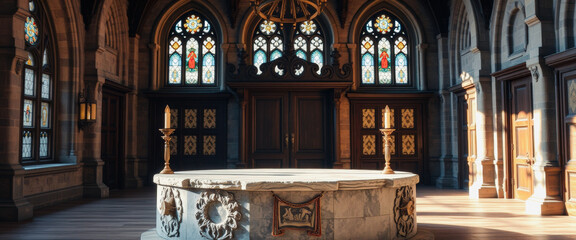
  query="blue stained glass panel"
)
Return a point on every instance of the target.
[
  {"x": 317, "y": 58},
  {"x": 175, "y": 69},
  {"x": 259, "y": 58},
  {"x": 301, "y": 54},
  {"x": 367, "y": 68},
  {"x": 208, "y": 68},
  {"x": 275, "y": 55},
  {"x": 401, "y": 68}
]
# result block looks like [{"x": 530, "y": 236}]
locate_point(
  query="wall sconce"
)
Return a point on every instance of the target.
[{"x": 87, "y": 110}]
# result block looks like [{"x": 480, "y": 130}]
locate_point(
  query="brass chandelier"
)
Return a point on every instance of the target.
[{"x": 288, "y": 11}]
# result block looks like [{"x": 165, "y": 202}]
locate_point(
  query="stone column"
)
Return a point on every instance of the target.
[
  {"x": 447, "y": 163},
  {"x": 13, "y": 206},
  {"x": 485, "y": 183},
  {"x": 547, "y": 174},
  {"x": 91, "y": 156}
]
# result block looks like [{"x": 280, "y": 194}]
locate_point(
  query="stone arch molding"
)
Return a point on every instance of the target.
[
  {"x": 170, "y": 208},
  {"x": 566, "y": 28},
  {"x": 515, "y": 30},
  {"x": 218, "y": 214}
]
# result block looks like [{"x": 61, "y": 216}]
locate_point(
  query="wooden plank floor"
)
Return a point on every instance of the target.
[{"x": 448, "y": 214}]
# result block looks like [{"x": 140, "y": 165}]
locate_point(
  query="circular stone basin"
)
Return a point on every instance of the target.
[{"x": 241, "y": 203}]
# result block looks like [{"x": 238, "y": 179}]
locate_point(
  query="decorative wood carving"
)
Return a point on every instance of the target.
[
  {"x": 170, "y": 212},
  {"x": 216, "y": 226},
  {"x": 288, "y": 64},
  {"x": 404, "y": 211}
]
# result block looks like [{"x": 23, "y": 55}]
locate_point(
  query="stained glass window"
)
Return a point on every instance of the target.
[
  {"x": 384, "y": 52},
  {"x": 308, "y": 43},
  {"x": 268, "y": 44},
  {"x": 37, "y": 86},
  {"x": 192, "y": 52}
]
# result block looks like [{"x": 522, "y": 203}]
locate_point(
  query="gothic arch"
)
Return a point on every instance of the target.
[
  {"x": 467, "y": 41},
  {"x": 159, "y": 34},
  {"x": 418, "y": 33},
  {"x": 67, "y": 36},
  {"x": 507, "y": 12}
]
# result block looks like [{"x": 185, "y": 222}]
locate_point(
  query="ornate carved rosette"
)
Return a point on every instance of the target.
[
  {"x": 228, "y": 212},
  {"x": 404, "y": 211},
  {"x": 170, "y": 212}
]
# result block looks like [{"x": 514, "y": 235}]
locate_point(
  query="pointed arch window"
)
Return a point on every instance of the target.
[
  {"x": 37, "y": 89},
  {"x": 192, "y": 52},
  {"x": 384, "y": 52},
  {"x": 309, "y": 43}
]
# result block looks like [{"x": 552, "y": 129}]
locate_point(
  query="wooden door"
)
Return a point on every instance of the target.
[
  {"x": 407, "y": 140},
  {"x": 464, "y": 177},
  {"x": 112, "y": 142},
  {"x": 471, "y": 139},
  {"x": 288, "y": 129},
  {"x": 522, "y": 137}
]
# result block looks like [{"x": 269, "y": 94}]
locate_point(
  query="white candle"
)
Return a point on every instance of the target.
[
  {"x": 387, "y": 117},
  {"x": 167, "y": 117}
]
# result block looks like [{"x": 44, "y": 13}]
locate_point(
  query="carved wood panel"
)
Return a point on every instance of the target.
[{"x": 522, "y": 137}]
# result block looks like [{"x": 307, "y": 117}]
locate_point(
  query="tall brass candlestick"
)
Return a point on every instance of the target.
[
  {"x": 387, "y": 132},
  {"x": 167, "y": 132}
]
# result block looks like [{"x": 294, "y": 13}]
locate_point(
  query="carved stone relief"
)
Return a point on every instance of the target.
[
  {"x": 404, "y": 211},
  {"x": 170, "y": 212},
  {"x": 218, "y": 214}
]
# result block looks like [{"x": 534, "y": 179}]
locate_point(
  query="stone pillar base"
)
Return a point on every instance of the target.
[
  {"x": 476, "y": 192},
  {"x": 543, "y": 207},
  {"x": 16, "y": 210},
  {"x": 96, "y": 191},
  {"x": 571, "y": 208},
  {"x": 445, "y": 182}
]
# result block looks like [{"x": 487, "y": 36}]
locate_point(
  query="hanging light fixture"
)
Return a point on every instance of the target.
[{"x": 288, "y": 11}]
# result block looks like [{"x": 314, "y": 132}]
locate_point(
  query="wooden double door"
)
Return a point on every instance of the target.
[{"x": 289, "y": 129}]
